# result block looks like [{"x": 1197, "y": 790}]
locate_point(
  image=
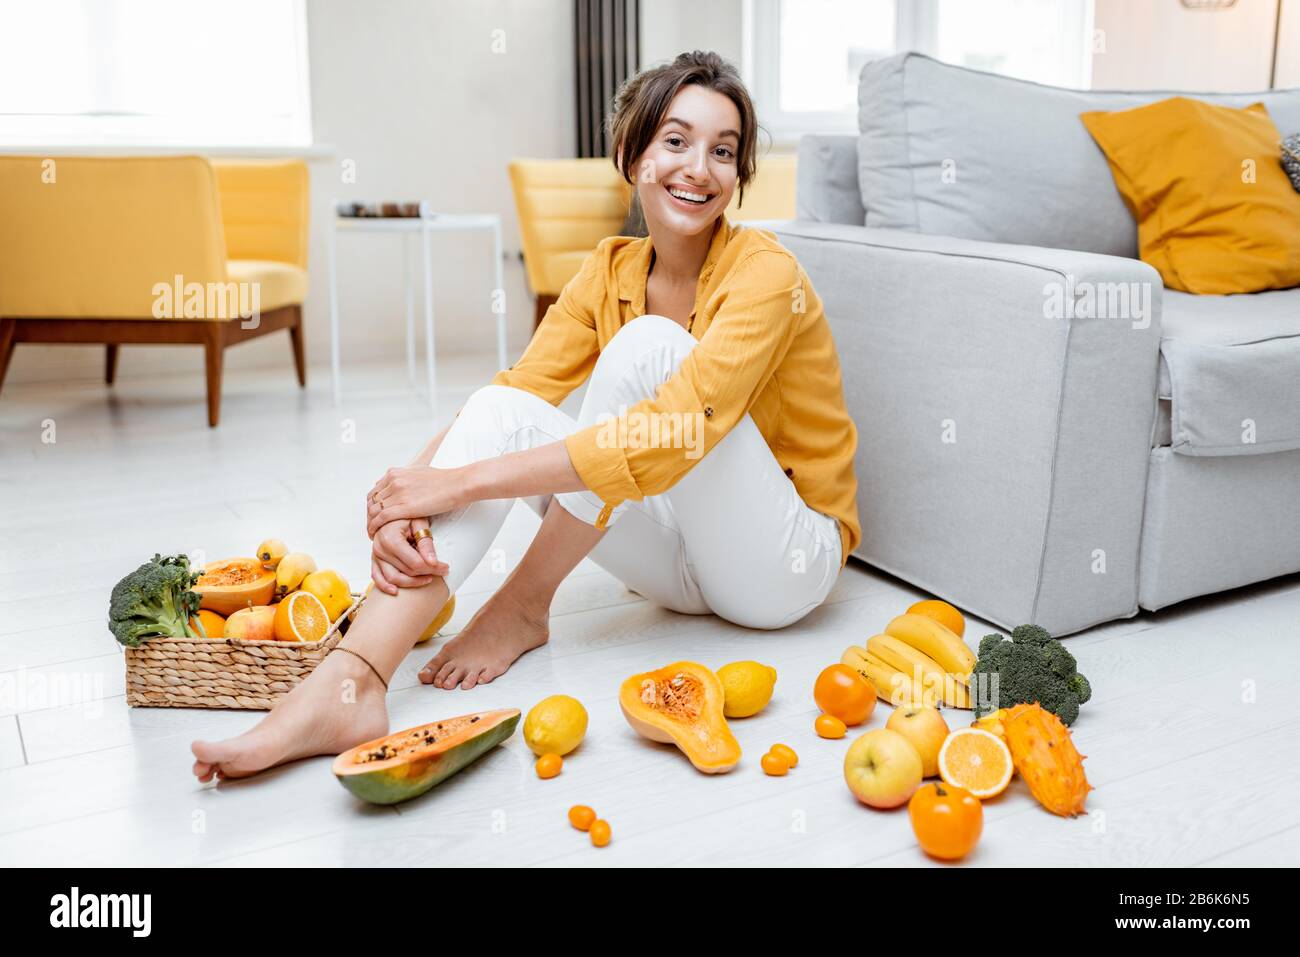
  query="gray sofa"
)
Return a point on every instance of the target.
[{"x": 1046, "y": 434}]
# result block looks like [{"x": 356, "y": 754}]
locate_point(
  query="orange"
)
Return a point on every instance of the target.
[
  {"x": 581, "y": 817},
  {"x": 300, "y": 616},
  {"x": 942, "y": 612},
  {"x": 775, "y": 764},
  {"x": 829, "y": 726},
  {"x": 600, "y": 833},
  {"x": 331, "y": 588},
  {"x": 214, "y": 626},
  {"x": 787, "y": 752},
  {"x": 548, "y": 766},
  {"x": 842, "y": 692},
  {"x": 947, "y": 820},
  {"x": 976, "y": 760}
]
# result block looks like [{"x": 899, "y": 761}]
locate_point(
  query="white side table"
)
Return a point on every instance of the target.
[{"x": 423, "y": 227}]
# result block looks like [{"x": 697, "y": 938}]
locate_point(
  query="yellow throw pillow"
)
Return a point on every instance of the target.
[{"x": 1215, "y": 211}]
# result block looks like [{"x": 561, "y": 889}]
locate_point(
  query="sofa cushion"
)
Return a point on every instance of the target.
[
  {"x": 1230, "y": 366},
  {"x": 1182, "y": 166},
  {"x": 946, "y": 150}
]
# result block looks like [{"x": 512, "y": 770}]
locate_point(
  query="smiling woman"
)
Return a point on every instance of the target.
[{"x": 710, "y": 467}]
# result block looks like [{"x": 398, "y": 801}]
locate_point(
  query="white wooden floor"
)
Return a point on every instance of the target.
[{"x": 1187, "y": 768}]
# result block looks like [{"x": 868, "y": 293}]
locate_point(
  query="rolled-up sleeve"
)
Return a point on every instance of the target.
[
  {"x": 564, "y": 347},
  {"x": 712, "y": 389}
]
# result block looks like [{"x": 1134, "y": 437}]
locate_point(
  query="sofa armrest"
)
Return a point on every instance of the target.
[
  {"x": 826, "y": 180},
  {"x": 1004, "y": 398},
  {"x": 264, "y": 208},
  {"x": 93, "y": 237}
]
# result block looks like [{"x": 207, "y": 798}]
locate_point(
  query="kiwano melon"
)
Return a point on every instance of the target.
[{"x": 406, "y": 764}]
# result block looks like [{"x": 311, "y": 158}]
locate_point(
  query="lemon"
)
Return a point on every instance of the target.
[
  {"x": 332, "y": 590},
  {"x": 556, "y": 725},
  {"x": 748, "y": 687}
]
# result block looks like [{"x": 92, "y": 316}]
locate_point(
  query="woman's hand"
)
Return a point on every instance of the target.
[
  {"x": 414, "y": 493},
  {"x": 397, "y": 563}
]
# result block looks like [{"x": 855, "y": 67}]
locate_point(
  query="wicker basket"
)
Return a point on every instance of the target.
[{"x": 224, "y": 672}]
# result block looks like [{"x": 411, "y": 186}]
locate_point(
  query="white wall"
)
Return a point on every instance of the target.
[
  {"x": 412, "y": 91},
  {"x": 670, "y": 27},
  {"x": 1163, "y": 45}
]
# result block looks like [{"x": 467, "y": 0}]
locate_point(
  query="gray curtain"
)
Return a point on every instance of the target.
[{"x": 606, "y": 45}]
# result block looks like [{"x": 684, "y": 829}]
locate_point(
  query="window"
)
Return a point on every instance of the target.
[
  {"x": 1049, "y": 41},
  {"x": 803, "y": 57},
  {"x": 154, "y": 72}
]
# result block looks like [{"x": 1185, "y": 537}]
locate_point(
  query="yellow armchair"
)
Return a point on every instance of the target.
[
  {"x": 152, "y": 250},
  {"x": 565, "y": 208}
]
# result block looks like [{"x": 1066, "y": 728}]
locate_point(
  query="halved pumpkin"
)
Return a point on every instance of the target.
[
  {"x": 681, "y": 704},
  {"x": 404, "y": 765},
  {"x": 235, "y": 583}
]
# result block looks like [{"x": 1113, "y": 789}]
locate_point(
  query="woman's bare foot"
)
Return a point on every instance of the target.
[
  {"x": 338, "y": 706},
  {"x": 502, "y": 630}
]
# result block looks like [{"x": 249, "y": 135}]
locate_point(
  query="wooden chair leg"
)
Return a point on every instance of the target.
[
  {"x": 543, "y": 303},
  {"x": 8, "y": 330},
  {"x": 295, "y": 339},
  {"x": 110, "y": 362},
  {"x": 213, "y": 355}
]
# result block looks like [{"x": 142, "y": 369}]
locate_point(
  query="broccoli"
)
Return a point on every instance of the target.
[
  {"x": 155, "y": 600},
  {"x": 1032, "y": 666}
]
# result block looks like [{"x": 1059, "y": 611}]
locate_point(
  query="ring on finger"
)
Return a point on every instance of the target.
[{"x": 421, "y": 533}]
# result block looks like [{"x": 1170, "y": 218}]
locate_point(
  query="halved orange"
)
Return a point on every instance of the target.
[
  {"x": 301, "y": 616},
  {"x": 976, "y": 760}
]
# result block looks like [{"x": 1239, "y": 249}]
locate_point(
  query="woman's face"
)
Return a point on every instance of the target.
[{"x": 686, "y": 176}]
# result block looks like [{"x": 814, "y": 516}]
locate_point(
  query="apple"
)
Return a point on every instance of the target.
[
  {"x": 256, "y": 623},
  {"x": 882, "y": 768},
  {"x": 925, "y": 728}
]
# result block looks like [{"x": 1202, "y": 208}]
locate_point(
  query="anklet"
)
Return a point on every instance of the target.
[{"x": 367, "y": 661}]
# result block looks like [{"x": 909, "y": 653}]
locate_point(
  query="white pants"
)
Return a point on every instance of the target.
[{"x": 732, "y": 537}]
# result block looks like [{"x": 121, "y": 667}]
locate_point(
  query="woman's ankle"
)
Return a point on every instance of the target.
[
  {"x": 356, "y": 673},
  {"x": 533, "y": 602}
]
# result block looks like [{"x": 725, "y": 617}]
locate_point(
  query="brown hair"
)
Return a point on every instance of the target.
[{"x": 643, "y": 100}]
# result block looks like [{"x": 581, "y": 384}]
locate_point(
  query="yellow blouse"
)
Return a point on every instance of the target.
[{"x": 764, "y": 348}]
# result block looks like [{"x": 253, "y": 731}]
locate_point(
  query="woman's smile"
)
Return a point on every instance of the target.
[{"x": 689, "y": 198}]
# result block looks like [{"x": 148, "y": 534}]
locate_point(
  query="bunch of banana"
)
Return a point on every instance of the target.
[
  {"x": 291, "y": 570},
  {"x": 271, "y": 552},
  {"x": 917, "y": 661}
]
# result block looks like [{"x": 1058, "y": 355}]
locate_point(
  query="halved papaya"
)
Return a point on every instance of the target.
[
  {"x": 235, "y": 583},
  {"x": 404, "y": 765},
  {"x": 681, "y": 704}
]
